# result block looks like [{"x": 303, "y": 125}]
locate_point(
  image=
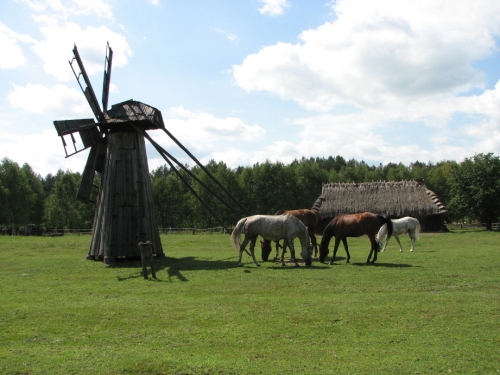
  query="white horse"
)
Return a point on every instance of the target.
[
  {"x": 404, "y": 225},
  {"x": 273, "y": 228}
]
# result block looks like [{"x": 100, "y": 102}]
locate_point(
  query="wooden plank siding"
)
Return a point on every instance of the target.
[{"x": 125, "y": 213}]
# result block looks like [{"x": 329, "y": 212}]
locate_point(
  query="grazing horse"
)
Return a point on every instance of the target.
[
  {"x": 272, "y": 228},
  {"x": 404, "y": 225},
  {"x": 356, "y": 225},
  {"x": 307, "y": 217}
]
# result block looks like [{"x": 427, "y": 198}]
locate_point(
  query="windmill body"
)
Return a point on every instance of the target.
[{"x": 125, "y": 214}]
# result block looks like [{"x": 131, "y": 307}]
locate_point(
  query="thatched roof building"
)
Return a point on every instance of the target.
[{"x": 391, "y": 199}]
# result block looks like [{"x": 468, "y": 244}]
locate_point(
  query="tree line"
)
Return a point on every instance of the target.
[{"x": 469, "y": 189}]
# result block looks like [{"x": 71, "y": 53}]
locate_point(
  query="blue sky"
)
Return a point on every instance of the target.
[{"x": 253, "y": 80}]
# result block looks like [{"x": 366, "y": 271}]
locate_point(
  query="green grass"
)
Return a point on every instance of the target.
[{"x": 434, "y": 311}]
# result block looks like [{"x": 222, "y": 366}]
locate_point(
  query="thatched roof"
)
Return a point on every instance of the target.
[{"x": 392, "y": 199}]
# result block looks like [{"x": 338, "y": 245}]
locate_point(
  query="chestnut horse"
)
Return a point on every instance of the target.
[
  {"x": 356, "y": 225},
  {"x": 307, "y": 217}
]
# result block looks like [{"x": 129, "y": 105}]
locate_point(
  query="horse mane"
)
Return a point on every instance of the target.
[
  {"x": 328, "y": 233},
  {"x": 387, "y": 221}
]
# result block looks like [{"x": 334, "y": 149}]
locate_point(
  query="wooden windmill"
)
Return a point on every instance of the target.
[{"x": 125, "y": 214}]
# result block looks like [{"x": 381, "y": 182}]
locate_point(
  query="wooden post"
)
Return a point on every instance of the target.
[
  {"x": 150, "y": 256},
  {"x": 147, "y": 257},
  {"x": 143, "y": 260}
]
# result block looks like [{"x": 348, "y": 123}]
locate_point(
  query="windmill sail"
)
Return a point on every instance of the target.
[
  {"x": 88, "y": 91},
  {"x": 87, "y": 128},
  {"x": 107, "y": 77},
  {"x": 95, "y": 163}
]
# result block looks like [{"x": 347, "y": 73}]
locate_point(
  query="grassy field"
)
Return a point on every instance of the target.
[{"x": 434, "y": 311}]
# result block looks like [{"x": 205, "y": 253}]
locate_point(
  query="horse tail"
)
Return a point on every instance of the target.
[
  {"x": 387, "y": 221},
  {"x": 237, "y": 231},
  {"x": 417, "y": 230},
  {"x": 382, "y": 232}
]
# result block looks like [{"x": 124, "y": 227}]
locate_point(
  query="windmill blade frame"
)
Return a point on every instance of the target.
[
  {"x": 88, "y": 91},
  {"x": 107, "y": 77}
]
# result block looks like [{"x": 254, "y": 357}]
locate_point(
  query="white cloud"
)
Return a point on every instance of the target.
[
  {"x": 378, "y": 52},
  {"x": 204, "y": 127},
  {"x": 230, "y": 36},
  {"x": 56, "y": 48},
  {"x": 235, "y": 158},
  {"x": 206, "y": 135},
  {"x": 43, "y": 151},
  {"x": 371, "y": 134},
  {"x": 56, "y": 101},
  {"x": 273, "y": 7},
  {"x": 383, "y": 69},
  {"x": 100, "y": 8},
  {"x": 12, "y": 55}
]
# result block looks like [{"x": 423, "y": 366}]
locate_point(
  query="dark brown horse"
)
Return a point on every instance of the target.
[
  {"x": 307, "y": 217},
  {"x": 356, "y": 225}
]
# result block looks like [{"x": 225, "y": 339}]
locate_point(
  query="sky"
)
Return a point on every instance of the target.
[{"x": 253, "y": 80}]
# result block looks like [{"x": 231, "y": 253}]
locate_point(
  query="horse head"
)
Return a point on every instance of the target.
[
  {"x": 265, "y": 249},
  {"x": 323, "y": 251},
  {"x": 306, "y": 254}
]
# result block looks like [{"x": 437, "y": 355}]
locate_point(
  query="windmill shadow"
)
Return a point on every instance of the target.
[{"x": 174, "y": 267}]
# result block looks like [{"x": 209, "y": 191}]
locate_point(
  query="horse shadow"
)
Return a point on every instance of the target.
[{"x": 386, "y": 265}]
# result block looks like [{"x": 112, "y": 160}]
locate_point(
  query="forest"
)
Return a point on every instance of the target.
[{"x": 469, "y": 189}]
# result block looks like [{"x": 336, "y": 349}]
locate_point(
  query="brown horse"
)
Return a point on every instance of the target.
[
  {"x": 356, "y": 225},
  {"x": 307, "y": 217}
]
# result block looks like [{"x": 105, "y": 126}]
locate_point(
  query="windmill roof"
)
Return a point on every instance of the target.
[
  {"x": 135, "y": 112},
  {"x": 393, "y": 199}
]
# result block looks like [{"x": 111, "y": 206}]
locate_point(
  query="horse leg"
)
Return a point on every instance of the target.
[
  {"x": 412, "y": 238},
  {"x": 373, "y": 250},
  {"x": 346, "y": 248},
  {"x": 292, "y": 252},
  {"x": 277, "y": 250},
  {"x": 242, "y": 249},
  {"x": 313, "y": 241},
  {"x": 252, "y": 247},
  {"x": 385, "y": 245},
  {"x": 283, "y": 250},
  {"x": 399, "y": 242},
  {"x": 337, "y": 242}
]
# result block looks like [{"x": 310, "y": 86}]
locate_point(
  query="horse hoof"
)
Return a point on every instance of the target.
[
  {"x": 283, "y": 265},
  {"x": 330, "y": 264},
  {"x": 297, "y": 265},
  {"x": 240, "y": 265},
  {"x": 258, "y": 265}
]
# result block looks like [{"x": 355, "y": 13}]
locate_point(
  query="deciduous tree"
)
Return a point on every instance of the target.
[{"x": 475, "y": 188}]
